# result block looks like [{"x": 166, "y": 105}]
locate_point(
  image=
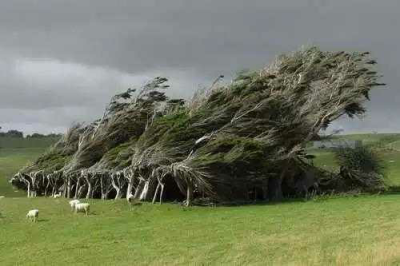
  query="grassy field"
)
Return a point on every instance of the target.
[
  {"x": 362, "y": 230},
  {"x": 14, "y": 154},
  {"x": 386, "y": 145}
]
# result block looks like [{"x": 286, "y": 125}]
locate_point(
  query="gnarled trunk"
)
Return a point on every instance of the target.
[
  {"x": 130, "y": 187},
  {"x": 189, "y": 194},
  {"x": 156, "y": 192},
  {"x": 145, "y": 190},
  {"x": 68, "y": 193},
  {"x": 139, "y": 189},
  {"x": 77, "y": 187},
  {"x": 89, "y": 191}
]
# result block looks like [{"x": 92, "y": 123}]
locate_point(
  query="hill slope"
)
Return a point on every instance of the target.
[
  {"x": 387, "y": 146},
  {"x": 342, "y": 231},
  {"x": 14, "y": 154}
]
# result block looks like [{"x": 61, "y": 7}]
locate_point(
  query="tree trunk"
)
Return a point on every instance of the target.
[
  {"x": 33, "y": 188},
  {"x": 275, "y": 189},
  {"x": 65, "y": 189},
  {"x": 161, "y": 193},
  {"x": 80, "y": 192},
  {"x": 102, "y": 188},
  {"x": 53, "y": 190},
  {"x": 46, "y": 190},
  {"x": 28, "y": 186},
  {"x": 143, "y": 195},
  {"x": 129, "y": 189},
  {"x": 94, "y": 188},
  {"x": 77, "y": 188},
  {"x": 116, "y": 186},
  {"x": 69, "y": 187},
  {"x": 139, "y": 189},
  {"x": 29, "y": 189},
  {"x": 155, "y": 193},
  {"x": 89, "y": 191},
  {"x": 118, "y": 194},
  {"x": 189, "y": 195}
]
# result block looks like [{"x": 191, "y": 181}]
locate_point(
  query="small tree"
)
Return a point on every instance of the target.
[{"x": 360, "y": 168}]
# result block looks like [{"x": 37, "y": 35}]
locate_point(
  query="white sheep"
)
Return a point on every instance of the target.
[
  {"x": 82, "y": 207},
  {"x": 2, "y": 197},
  {"x": 33, "y": 215},
  {"x": 56, "y": 196},
  {"x": 72, "y": 203}
]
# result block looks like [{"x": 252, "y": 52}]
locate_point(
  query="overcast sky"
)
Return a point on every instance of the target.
[{"x": 62, "y": 60}]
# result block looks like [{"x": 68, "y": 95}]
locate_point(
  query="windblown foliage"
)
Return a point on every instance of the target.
[
  {"x": 240, "y": 141},
  {"x": 360, "y": 168}
]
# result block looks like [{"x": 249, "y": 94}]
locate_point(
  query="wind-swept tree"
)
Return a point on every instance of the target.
[{"x": 239, "y": 141}]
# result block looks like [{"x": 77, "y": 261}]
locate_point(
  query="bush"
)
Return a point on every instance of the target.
[
  {"x": 360, "y": 168},
  {"x": 362, "y": 159}
]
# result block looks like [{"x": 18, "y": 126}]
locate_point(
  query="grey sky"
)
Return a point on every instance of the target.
[{"x": 61, "y": 60}]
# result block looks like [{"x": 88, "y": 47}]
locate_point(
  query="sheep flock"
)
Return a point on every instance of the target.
[{"x": 76, "y": 207}]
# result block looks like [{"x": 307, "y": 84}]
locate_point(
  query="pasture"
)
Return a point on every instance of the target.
[
  {"x": 362, "y": 230},
  {"x": 14, "y": 154},
  {"x": 339, "y": 230}
]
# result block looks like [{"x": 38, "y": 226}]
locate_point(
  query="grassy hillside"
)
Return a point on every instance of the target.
[
  {"x": 14, "y": 154},
  {"x": 387, "y": 146},
  {"x": 361, "y": 230},
  {"x": 24, "y": 143}
]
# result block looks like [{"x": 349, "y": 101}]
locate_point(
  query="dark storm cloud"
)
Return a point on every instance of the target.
[{"x": 73, "y": 55}]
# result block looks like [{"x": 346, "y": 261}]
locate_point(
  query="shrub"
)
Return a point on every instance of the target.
[{"x": 360, "y": 168}]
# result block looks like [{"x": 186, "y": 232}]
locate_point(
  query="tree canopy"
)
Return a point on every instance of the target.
[{"x": 237, "y": 141}]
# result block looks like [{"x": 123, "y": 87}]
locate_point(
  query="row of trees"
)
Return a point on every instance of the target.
[
  {"x": 240, "y": 141},
  {"x": 12, "y": 134},
  {"x": 19, "y": 134}
]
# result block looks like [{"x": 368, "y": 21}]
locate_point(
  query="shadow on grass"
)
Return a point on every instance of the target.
[
  {"x": 255, "y": 203},
  {"x": 89, "y": 214},
  {"x": 392, "y": 190}
]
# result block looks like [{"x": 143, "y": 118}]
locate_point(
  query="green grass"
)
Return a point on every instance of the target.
[
  {"x": 16, "y": 153},
  {"x": 387, "y": 146},
  {"x": 361, "y": 230},
  {"x": 15, "y": 143},
  {"x": 10, "y": 161}
]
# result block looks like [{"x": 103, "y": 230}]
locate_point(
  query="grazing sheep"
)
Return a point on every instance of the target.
[
  {"x": 2, "y": 197},
  {"x": 33, "y": 215},
  {"x": 82, "y": 207},
  {"x": 72, "y": 203},
  {"x": 56, "y": 196}
]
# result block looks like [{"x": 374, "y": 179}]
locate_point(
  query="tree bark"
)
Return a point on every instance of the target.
[
  {"x": 145, "y": 190},
  {"x": 78, "y": 180},
  {"x": 102, "y": 187},
  {"x": 80, "y": 192},
  {"x": 28, "y": 185},
  {"x": 33, "y": 188},
  {"x": 116, "y": 186},
  {"x": 46, "y": 190},
  {"x": 161, "y": 193},
  {"x": 89, "y": 191},
  {"x": 129, "y": 189},
  {"x": 54, "y": 189},
  {"x": 155, "y": 193},
  {"x": 29, "y": 189},
  {"x": 189, "y": 195},
  {"x": 69, "y": 187},
  {"x": 94, "y": 188},
  {"x": 139, "y": 189}
]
